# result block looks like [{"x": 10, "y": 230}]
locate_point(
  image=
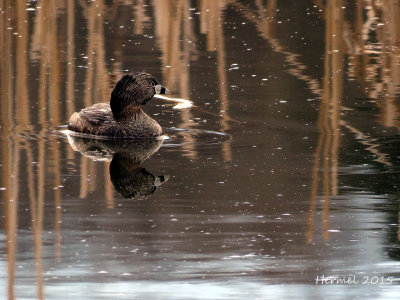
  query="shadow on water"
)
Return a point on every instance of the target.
[{"x": 285, "y": 169}]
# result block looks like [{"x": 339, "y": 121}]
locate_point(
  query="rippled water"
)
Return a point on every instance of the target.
[{"x": 280, "y": 182}]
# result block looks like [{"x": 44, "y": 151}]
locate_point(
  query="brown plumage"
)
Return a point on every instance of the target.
[{"x": 122, "y": 116}]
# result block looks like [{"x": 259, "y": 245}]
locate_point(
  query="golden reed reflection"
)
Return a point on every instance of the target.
[
  {"x": 375, "y": 74},
  {"x": 211, "y": 23},
  {"x": 171, "y": 23},
  {"x": 328, "y": 121},
  {"x": 174, "y": 28},
  {"x": 380, "y": 78},
  {"x": 8, "y": 147},
  {"x": 52, "y": 47},
  {"x": 97, "y": 86},
  {"x": 373, "y": 63}
]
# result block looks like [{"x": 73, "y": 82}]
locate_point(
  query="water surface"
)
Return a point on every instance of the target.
[{"x": 284, "y": 171}]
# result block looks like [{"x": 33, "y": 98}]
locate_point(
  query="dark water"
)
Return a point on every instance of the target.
[{"x": 284, "y": 172}]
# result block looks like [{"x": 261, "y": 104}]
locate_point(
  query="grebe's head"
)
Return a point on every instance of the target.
[{"x": 133, "y": 90}]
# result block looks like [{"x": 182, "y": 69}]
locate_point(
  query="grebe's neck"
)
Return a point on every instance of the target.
[{"x": 129, "y": 112}]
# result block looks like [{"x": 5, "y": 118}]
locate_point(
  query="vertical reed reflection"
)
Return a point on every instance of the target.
[
  {"x": 47, "y": 44},
  {"x": 223, "y": 90},
  {"x": 171, "y": 23},
  {"x": 212, "y": 24},
  {"x": 375, "y": 64},
  {"x": 139, "y": 13},
  {"x": 8, "y": 146},
  {"x": 329, "y": 118},
  {"x": 21, "y": 93},
  {"x": 332, "y": 96},
  {"x": 375, "y": 74},
  {"x": 177, "y": 41},
  {"x": 374, "y": 59},
  {"x": 377, "y": 82},
  {"x": 47, "y": 52},
  {"x": 37, "y": 207},
  {"x": 70, "y": 82},
  {"x": 329, "y": 115},
  {"x": 97, "y": 88},
  {"x": 10, "y": 160},
  {"x": 54, "y": 86}
]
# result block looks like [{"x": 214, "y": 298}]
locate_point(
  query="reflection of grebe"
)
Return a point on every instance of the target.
[
  {"x": 122, "y": 116},
  {"x": 128, "y": 178}
]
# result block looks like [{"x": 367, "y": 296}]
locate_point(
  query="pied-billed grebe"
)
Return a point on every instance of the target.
[{"x": 122, "y": 116}]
